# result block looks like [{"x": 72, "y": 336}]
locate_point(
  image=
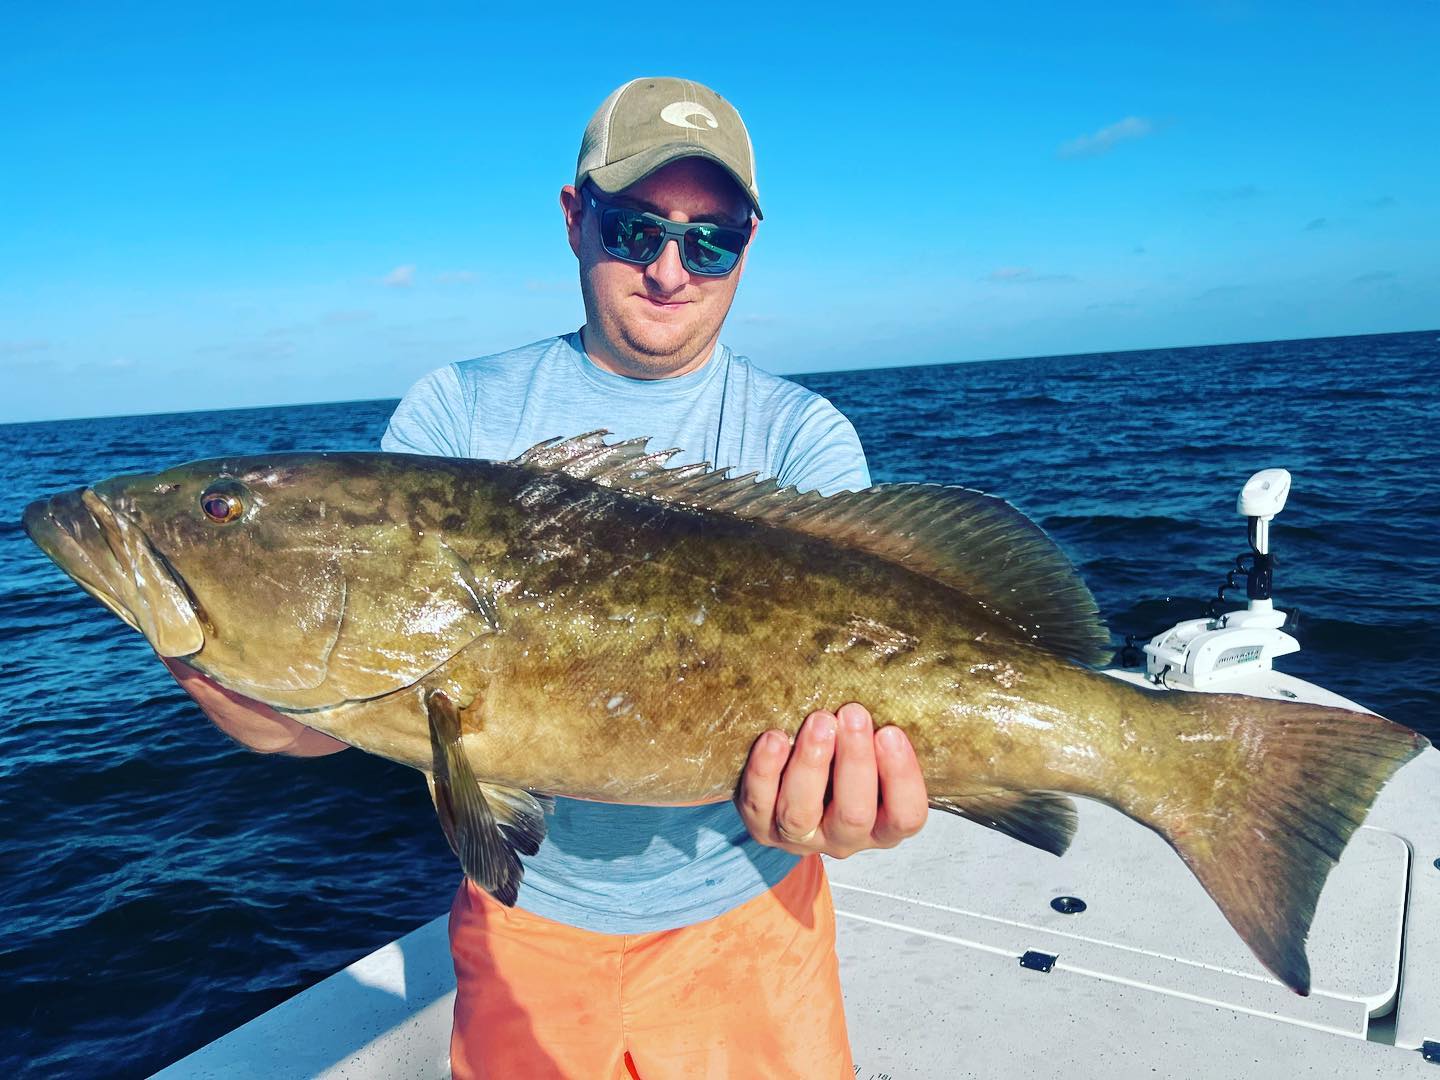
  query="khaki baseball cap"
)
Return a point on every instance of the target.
[{"x": 648, "y": 123}]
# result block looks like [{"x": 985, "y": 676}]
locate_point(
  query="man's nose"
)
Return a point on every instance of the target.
[{"x": 668, "y": 272}]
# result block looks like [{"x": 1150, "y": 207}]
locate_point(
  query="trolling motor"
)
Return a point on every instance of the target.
[{"x": 1209, "y": 652}]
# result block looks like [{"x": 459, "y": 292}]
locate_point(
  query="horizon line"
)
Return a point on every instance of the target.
[{"x": 787, "y": 375}]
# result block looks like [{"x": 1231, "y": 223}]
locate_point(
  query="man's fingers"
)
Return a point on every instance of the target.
[
  {"x": 904, "y": 802},
  {"x": 801, "y": 800},
  {"x": 760, "y": 782},
  {"x": 876, "y": 790},
  {"x": 851, "y": 814}
]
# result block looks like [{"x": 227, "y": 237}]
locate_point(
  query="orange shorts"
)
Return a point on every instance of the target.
[{"x": 753, "y": 993}]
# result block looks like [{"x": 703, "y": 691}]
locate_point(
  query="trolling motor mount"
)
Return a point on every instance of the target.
[{"x": 1206, "y": 653}]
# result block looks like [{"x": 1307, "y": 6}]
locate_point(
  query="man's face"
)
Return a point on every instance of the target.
[{"x": 656, "y": 321}]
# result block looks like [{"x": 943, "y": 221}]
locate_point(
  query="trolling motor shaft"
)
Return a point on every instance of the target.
[
  {"x": 1206, "y": 653},
  {"x": 1262, "y": 497}
]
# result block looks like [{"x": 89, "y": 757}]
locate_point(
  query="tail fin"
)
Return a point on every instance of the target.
[{"x": 1292, "y": 783}]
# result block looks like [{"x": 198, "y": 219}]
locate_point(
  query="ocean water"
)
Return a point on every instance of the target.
[{"x": 161, "y": 885}]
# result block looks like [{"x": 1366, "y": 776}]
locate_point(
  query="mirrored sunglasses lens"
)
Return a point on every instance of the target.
[
  {"x": 710, "y": 250},
  {"x": 628, "y": 235}
]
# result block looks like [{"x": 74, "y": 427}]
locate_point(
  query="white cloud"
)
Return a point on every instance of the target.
[
  {"x": 550, "y": 285},
  {"x": 402, "y": 277},
  {"x": 1225, "y": 292},
  {"x": 1239, "y": 193},
  {"x": 346, "y": 315},
  {"x": 116, "y": 365},
  {"x": 19, "y": 348},
  {"x": 1107, "y": 138},
  {"x": 1023, "y": 275}
]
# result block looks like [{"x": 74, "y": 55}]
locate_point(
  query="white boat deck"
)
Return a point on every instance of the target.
[{"x": 1148, "y": 981}]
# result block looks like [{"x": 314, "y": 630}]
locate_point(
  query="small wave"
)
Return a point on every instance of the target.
[
  {"x": 1109, "y": 523},
  {"x": 1034, "y": 401}
]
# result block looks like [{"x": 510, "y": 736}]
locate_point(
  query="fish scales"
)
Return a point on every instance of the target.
[{"x": 603, "y": 672}]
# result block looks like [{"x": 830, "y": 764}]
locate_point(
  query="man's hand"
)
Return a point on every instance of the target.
[{"x": 877, "y": 795}]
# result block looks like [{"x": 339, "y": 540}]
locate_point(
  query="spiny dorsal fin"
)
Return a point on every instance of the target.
[{"x": 965, "y": 539}]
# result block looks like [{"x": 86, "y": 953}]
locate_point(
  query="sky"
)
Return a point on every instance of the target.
[{"x": 214, "y": 206}]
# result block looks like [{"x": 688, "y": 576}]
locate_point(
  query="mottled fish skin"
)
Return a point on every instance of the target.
[
  {"x": 640, "y": 665},
  {"x": 640, "y": 648},
  {"x": 597, "y": 626}
]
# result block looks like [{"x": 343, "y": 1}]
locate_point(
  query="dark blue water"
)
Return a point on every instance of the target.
[{"x": 160, "y": 885}]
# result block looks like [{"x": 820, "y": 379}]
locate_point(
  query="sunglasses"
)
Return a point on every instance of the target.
[{"x": 634, "y": 236}]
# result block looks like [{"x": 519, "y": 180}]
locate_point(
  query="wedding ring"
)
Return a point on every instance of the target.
[{"x": 785, "y": 835}]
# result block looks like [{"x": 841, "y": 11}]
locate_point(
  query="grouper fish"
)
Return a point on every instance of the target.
[{"x": 586, "y": 621}]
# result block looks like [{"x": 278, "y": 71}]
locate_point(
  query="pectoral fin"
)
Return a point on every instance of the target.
[
  {"x": 485, "y": 824},
  {"x": 1038, "y": 818}
]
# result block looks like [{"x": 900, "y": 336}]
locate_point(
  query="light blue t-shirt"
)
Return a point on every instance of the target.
[{"x": 634, "y": 869}]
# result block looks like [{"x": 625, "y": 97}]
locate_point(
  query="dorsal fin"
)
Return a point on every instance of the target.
[{"x": 964, "y": 539}]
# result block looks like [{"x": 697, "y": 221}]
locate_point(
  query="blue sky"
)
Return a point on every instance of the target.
[{"x": 307, "y": 202}]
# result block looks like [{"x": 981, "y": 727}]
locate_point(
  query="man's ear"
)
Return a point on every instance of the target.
[{"x": 573, "y": 207}]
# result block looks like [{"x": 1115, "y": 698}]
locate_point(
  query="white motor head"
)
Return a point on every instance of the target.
[{"x": 1264, "y": 494}]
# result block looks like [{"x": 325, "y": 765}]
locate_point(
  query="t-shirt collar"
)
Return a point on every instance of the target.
[{"x": 675, "y": 386}]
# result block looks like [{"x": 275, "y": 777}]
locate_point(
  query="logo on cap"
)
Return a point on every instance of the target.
[{"x": 680, "y": 112}]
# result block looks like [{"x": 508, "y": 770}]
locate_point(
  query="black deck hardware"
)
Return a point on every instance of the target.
[
  {"x": 1043, "y": 961},
  {"x": 1429, "y": 1050},
  {"x": 1068, "y": 905}
]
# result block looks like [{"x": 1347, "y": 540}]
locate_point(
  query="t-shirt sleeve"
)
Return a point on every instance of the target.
[
  {"x": 824, "y": 453},
  {"x": 433, "y": 418}
]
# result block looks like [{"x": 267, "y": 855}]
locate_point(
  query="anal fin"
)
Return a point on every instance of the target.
[
  {"x": 1038, "y": 818},
  {"x": 488, "y": 826}
]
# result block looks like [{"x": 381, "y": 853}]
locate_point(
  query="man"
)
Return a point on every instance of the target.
[{"x": 662, "y": 941}]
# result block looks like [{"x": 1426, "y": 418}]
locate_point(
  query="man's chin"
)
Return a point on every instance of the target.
[{"x": 662, "y": 350}]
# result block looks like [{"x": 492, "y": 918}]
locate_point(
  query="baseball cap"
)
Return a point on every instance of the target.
[{"x": 651, "y": 122}]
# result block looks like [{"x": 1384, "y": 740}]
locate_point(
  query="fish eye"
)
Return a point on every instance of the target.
[{"x": 222, "y": 503}]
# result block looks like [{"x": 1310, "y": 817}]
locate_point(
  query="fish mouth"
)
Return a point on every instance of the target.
[{"x": 112, "y": 559}]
